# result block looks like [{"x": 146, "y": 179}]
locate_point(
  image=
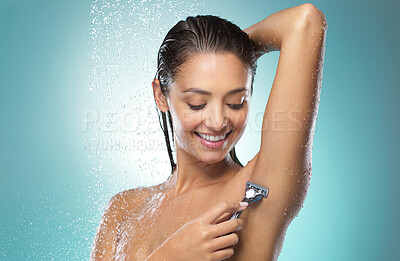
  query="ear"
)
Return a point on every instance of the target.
[{"x": 161, "y": 100}]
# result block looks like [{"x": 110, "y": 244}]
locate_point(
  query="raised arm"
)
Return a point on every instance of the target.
[
  {"x": 284, "y": 161},
  {"x": 269, "y": 33}
]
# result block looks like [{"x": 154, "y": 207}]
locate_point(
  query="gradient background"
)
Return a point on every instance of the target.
[{"x": 74, "y": 73}]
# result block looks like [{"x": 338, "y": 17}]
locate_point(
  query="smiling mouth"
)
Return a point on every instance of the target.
[{"x": 212, "y": 138}]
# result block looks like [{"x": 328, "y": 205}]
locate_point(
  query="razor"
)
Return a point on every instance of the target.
[{"x": 254, "y": 193}]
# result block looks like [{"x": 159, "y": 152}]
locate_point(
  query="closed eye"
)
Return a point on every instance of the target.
[
  {"x": 236, "y": 106},
  {"x": 196, "y": 107},
  {"x": 199, "y": 107}
]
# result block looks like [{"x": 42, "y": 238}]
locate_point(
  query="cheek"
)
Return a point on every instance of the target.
[
  {"x": 188, "y": 121},
  {"x": 239, "y": 119},
  {"x": 182, "y": 119}
]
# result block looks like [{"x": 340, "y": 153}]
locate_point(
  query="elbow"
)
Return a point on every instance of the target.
[{"x": 311, "y": 16}]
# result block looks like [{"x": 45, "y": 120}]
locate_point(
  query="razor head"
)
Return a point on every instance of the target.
[{"x": 254, "y": 192}]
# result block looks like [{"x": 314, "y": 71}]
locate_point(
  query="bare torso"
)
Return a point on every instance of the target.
[
  {"x": 155, "y": 216},
  {"x": 140, "y": 220}
]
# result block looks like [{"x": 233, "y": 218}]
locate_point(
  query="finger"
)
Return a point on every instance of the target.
[
  {"x": 222, "y": 254},
  {"x": 224, "y": 242},
  {"x": 224, "y": 217},
  {"x": 222, "y": 207},
  {"x": 226, "y": 227}
]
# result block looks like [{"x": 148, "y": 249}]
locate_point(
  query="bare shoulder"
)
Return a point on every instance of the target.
[
  {"x": 107, "y": 232},
  {"x": 126, "y": 200},
  {"x": 131, "y": 200}
]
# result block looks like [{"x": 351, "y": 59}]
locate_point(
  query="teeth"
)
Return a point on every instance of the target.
[{"x": 212, "y": 138}]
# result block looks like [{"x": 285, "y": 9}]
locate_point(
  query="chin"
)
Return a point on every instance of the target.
[{"x": 212, "y": 158}]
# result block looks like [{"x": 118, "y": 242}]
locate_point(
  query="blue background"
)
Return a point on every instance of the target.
[{"x": 65, "y": 64}]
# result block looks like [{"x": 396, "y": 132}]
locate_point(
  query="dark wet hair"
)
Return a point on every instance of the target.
[{"x": 195, "y": 35}]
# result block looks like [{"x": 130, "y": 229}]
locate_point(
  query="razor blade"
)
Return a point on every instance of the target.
[{"x": 254, "y": 193}]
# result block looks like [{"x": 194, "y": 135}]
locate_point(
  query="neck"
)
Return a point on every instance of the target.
[{"x": 191, "y": 173}]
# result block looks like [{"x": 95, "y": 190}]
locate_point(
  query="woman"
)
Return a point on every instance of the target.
[{"x": 203, "y": 86}]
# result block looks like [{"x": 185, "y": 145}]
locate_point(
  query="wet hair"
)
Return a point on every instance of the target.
[{"x": 203, "y": 34}]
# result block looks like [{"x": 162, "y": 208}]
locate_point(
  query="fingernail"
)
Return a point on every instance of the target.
[{"x": 243, "y": 204}]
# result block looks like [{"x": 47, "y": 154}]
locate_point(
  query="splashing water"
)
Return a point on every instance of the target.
[{"x": 120, "y": 125}]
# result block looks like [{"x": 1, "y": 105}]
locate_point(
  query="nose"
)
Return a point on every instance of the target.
[{"x": 216, "y": 119}]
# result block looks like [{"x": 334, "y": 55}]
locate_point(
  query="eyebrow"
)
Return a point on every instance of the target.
[{"x": 200, "y": 91}]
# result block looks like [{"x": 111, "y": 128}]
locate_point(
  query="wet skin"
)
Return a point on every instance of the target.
[
  {"x": 168, "y": 212},
  {"x": 138, "y": 221},
  {"x": 219, "y": 87},
  {"x": 205, "y": 176}
]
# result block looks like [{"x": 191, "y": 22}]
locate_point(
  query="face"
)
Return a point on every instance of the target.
[{"x": 209, "y": 103}]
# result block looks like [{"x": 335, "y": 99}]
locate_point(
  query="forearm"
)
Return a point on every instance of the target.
[{"x": 269, "y": 33}]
